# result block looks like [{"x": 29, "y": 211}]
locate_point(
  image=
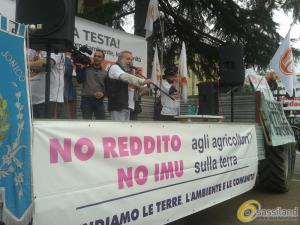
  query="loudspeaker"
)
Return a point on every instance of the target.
[
  {"x": 55, "y": 21},
  {"x": 208, "y": 99},
  {"x": 232, "y": 70}
]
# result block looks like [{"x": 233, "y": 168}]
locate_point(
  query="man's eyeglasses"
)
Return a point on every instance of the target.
[{"x": 98, "y": 56}]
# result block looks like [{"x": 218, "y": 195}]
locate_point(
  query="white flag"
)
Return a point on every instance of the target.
[
  {"x": 156, "y": 73},
  {"x": 183, "y": 73},
  {"x": 152, "y": 15},
  {"x": 283, "y": 65}
]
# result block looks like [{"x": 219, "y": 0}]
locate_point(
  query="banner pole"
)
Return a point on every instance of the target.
[
  {"x": 162, "y": 47},
  {"x": 47, "y": 87}
]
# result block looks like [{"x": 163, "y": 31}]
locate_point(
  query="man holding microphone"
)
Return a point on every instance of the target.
[{"x": 120, "y": 95}]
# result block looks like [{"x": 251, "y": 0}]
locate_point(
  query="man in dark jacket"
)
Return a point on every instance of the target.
[
  {"x": 93, "y": 88},
  {"x": 120, "y": 96}
]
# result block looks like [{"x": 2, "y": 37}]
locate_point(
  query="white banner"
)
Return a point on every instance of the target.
[
  {"x": 152, "y": 16},
  {"x": 156, "y": 73},
  {"x": 111, "y": 41},
  {"x": 98, "y": 36},
  {"x": 289, "y": 103},
  {"x": 261, "y": 84},
  {"x": 283, "y": 65},
  {"x": 183, "y": 73},
  {"x": 137, "y": 173}
]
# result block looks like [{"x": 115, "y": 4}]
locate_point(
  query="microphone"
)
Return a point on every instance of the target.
[
  {"x": 136, "y": 69},
  {"x": 132, "y": 67},
  {"x": 167, "y": 94}
]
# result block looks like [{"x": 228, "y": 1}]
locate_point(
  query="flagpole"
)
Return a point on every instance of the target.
[
  {"x": 161, "y": 23},
  {"x": 291, "y": 25},
  {"x": 178, "y": 82}
]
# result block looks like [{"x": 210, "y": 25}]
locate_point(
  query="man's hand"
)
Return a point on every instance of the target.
[
  {"x": 139, "y": 71},
  {"x": 99, "y": 94},
  {"x": 143, "y": 91},
  {"x": 147, "y": 81},
  {"x": 175, "y": 87},
  {"x": 80, "y": 66}
]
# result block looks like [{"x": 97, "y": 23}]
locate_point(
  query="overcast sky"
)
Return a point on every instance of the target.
[{"x": 285, "y": 20}]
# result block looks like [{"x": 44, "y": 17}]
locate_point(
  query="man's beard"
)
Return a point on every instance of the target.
[
  {"x": 97, "y": 63},
  {"x": 126, "y": 67}
]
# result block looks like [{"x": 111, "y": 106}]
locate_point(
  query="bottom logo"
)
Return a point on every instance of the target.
[
  {"x": 251, "y": 210},
  {"x": 248, "y": 210}
]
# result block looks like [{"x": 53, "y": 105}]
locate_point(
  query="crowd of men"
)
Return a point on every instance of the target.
[{"x": 122, "y": 84}]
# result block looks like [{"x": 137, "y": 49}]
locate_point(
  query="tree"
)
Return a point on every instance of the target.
[
  {"x": 205, "y": 26},
  {"x": 294, "y": 6},
  {"x": 110, "y": 14}
]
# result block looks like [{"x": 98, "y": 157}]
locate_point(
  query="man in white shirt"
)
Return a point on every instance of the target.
[
  {"x": 170, "y": 107},
  {"x": 37, "y": 62},
  {"x": 120, "y": 95}
]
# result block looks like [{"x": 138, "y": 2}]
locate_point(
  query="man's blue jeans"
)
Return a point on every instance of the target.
[{"x": 91, "y": 106}]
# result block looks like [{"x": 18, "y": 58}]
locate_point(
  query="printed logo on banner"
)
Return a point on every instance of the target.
[
  {"x": 15, "y": 169},
  {"x": 286, "y": 63}
]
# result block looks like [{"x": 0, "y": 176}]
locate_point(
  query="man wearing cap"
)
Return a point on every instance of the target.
[{"x": 170, "y": 108}]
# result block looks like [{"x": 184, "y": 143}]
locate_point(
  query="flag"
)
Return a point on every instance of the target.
[
  {"x": 183, "y": 74},
  {"x": 152, "y": 15},
  {"x": 156, "y": 73},
  {"x": 15, "y": 128},
  {"x": 283, "y": 65}
]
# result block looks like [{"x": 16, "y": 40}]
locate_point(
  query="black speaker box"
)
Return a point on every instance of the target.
[
  {"x": 232, "y": 70},
  {"x": 208, "y": 99},
  {"x": 55, "y": 21}
]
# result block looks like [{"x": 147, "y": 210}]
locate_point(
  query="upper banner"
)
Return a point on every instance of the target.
[
  {"x": 95, "y": 35},
  {"x": 137, "y": 173},
  {"x": 111, "y": 41},
  {"x": 15, "y": 169}
]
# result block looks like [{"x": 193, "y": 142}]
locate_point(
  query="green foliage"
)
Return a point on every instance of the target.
[
  {"x": 110, "y": 14},
  {"x": 205, "y": 26}
]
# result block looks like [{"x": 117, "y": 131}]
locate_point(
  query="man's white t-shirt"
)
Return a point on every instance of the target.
[
  {"x": 37, "y": 81},
  {"x": 57, "y": 78},
  {"x": 114, "y": 73},
  {"x": 169, "y": 107}
]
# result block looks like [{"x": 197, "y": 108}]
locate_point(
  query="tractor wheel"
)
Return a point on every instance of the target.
[{"x": 277, "y": 169}]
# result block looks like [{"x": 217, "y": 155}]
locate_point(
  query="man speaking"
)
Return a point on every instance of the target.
[{"x": 120, "y": 96}]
